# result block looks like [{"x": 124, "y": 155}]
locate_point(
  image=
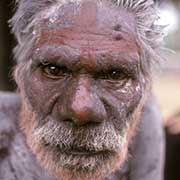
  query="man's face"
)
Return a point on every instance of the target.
[{"x": 82, "y": 90}]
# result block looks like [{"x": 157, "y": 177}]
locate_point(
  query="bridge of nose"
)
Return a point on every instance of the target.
[
  {"x": 82, "y": 100},
  {"x": 85, "y": 106}
]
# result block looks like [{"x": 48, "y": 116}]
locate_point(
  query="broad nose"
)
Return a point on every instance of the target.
[{"x": 85, "y": 106}]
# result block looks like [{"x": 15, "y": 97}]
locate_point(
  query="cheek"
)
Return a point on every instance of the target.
[
  {"x": 27, "y": 121},
  {"x": 41, "y": 94},
  {"x": 121, "y": 103},
  {"x": 133, "y": 98},
  {"x": 126, "y": 97}
]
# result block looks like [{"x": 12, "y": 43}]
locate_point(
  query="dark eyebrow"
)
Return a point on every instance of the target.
[
  {"x": 65, "y": 56},
  {"x": 55, "y": 54},
  {"x": 118, "y": 60}
]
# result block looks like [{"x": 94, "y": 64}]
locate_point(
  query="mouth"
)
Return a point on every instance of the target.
[
  {"x": 81, "y": 151},
  {"x": 84, "y": 152},
  {"x": 79, "y": 158}
]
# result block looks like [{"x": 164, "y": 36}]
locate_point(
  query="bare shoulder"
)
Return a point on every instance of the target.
[{"x": 9, "y": 110}]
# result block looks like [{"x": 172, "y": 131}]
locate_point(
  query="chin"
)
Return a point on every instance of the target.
[{"x": 79, "y": 166}]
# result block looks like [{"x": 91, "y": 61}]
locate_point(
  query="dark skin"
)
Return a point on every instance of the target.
[{"x": 86, "y": 78}]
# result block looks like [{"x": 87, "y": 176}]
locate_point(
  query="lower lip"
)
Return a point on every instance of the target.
[{"x": 83, "y": 153}]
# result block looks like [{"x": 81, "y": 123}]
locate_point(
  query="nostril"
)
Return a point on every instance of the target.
[
  {"x": 75, "y": 122},
  {"x": 69, "y": 121}
]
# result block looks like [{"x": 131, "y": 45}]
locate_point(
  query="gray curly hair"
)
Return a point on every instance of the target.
[{"x": 30, "y": 12}]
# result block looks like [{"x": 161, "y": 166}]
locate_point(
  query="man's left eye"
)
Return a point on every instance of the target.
[
  {"x": 111, "y": 75},
  {"x": 54, "y": 71},
  {"x": 116, "y": 75}
]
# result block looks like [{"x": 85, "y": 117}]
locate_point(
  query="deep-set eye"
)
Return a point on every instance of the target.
[
  {"x": 54, "y": 71},
  {"x": 116, "y": 75},
  {"x": 111, "y": 75}
]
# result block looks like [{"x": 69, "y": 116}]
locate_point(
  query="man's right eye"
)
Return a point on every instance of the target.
[{"x": 54, "y": 71}]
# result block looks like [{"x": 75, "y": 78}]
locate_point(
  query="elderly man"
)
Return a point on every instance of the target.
[{"x": 84, "y": 108}]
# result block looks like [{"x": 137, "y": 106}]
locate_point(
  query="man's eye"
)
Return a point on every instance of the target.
[
  {"x": 112, "y": 75},
  {"x": 116, "y": 75},
  {"x": 54, "y": 71}
]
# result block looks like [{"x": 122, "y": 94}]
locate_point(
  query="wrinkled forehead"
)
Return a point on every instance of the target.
[
  {"x": 86, "y": 30},
  {"x": 87, "y": 14}
]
